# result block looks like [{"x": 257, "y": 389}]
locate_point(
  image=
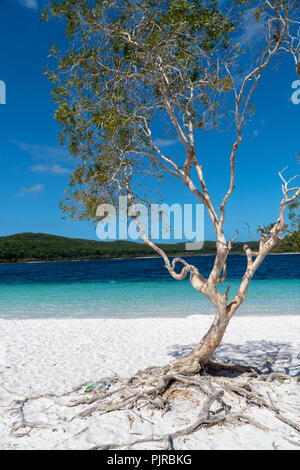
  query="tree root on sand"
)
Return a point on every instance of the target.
[{"x": 160, "y": 388}]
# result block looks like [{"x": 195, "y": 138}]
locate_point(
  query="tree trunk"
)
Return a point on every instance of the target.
[{"x": 203, "y": 351}]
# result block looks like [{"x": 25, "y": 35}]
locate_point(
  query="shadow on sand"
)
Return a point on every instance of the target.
[{"x": 268, "y": 356}]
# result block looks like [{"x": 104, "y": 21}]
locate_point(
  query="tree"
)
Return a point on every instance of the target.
[
  {"x": 178, "y": 62},
  {"x": 132, "y": 63}
]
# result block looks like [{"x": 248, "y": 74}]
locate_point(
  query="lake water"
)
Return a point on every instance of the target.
[{"x": 130, "y": 288}]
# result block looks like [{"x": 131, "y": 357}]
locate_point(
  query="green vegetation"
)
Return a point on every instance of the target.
[
  {"x": 42, "y": 247},
  {"x": 109, "y": 87}
]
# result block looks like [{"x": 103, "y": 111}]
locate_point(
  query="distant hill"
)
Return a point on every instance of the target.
[{"x": 25, "y": 247}]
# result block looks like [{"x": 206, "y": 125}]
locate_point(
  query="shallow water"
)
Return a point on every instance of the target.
[{"x": 139, "y": 287}]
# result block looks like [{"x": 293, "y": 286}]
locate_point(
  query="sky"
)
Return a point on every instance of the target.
[{"x": 35, "y": 169}]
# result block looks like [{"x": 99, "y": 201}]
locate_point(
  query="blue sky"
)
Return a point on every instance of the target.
[{"x": 34, "y": 168}]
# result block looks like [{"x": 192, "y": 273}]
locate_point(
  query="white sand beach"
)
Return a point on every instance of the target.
[{"x": 40, "y": 356}]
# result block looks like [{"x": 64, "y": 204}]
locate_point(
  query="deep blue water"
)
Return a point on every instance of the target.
[
  {"x": 139, "y": 287},
  {"x": 146, "y": 269}
]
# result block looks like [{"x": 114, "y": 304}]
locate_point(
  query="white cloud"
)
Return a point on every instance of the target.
[
  {"x": 30, "y": 4},
  {"x": 251, "y": 30},
  {"x": 38, "y": 188},
  {"x": 49, "y": 153},
  {"x": 53, "y": 170}
]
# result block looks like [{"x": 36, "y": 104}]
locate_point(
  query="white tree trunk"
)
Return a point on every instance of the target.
[{"x": 203, "y": 351}]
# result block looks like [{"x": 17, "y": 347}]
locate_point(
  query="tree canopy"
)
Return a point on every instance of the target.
[
  {"x": 176, "y": 62},
  {"x": 111, "y": 85}
]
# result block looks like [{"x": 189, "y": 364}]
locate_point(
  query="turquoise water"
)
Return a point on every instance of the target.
[{"x": 96, "y": 289}]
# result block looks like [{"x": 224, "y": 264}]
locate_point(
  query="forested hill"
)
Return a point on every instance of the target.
[{"x": 42, "y": 247}]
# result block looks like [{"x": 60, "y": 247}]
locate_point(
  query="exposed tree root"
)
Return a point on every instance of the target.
[
  {"x": 28, "y": 426},
  {"x": 204, "y": 418},
  {"x": 160, "y": 388}
]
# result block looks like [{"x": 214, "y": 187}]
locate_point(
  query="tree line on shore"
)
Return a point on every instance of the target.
[{"x": 43, "y": 247}]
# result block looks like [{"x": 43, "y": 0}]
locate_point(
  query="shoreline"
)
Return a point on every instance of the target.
[
  {"x": 134, "y": 257},
  {"x": 146, "y": 317}
]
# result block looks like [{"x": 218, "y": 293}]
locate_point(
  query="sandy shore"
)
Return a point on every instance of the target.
[{"x": 53, "y": 355}]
